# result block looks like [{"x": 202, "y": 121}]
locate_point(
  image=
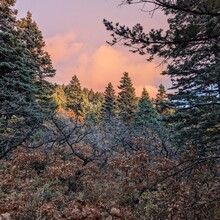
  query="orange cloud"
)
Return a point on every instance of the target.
[
  {"x": 62, "y": 47},
  {"x": 108, "y": 64},
  {"x": 105, "y": 64}
]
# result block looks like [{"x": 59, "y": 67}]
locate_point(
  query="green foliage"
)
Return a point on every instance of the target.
[
  {"x": 17, "y": 94},
  {"x": 33, "y": 40},
  {"x": 75, "y": 169},
  {"x": 91, "y": 95},
  {"x": 109, "y": 105},
  {"x": 60, "y": 96},
  {"x": 191, "y": 47},
  {"x": 146, "y": 113},
  {"x": 162, "y": 102},
  {"x": 196, "y": 70},
  {"x": 93, "y": 112},
  {"x": 73, "y": 93},
  {"x": 98, "y": 97},
  {"x": 24, "y": 91},
  {"x": 127, "y": 100}
]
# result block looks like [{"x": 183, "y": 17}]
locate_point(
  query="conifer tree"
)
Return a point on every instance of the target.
[
  {"x": 146, "y": 113},
  {"x": 162, "y": 101},
  {"x": 74, "y": 97},
  {"x": 93, "y": 114},
  {"x": 127, "y": 100},
  {"x": 33, "y": 40},
  {"x": 108, "y": 109},
  {"x": 191, "y": 44},
  {"x": 85, "y": 92},
  {"x": 20, "y": 111},
  {"x": 60, "y": 96},
  {"x": 91, "y": 95}
]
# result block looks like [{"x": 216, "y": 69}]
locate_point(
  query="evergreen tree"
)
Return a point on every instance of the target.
[
  {"x": 85, "y": 92},
  {"x": 33, "y": 40},
  {"x": 127, "y": 101},
  {"x": 146, "y": 113},
  {"x": 60, "y": 96},
  {"x": 20, "y": 112},
  {"x": 108, "y": 109},
  {"x": 74, "y": 96},
  {"x": 98, "y": 98},
  {"x": 162, "y": 102},
  {"x": 91, "y": 95},
  {"x": 191, "y": 44},
  {"x": 93, "y": 114}
]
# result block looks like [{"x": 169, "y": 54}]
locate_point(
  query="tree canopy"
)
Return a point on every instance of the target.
[
  {"x": 25, "y": 94},
  {"x": 146, "y": 113},
  {"x": 109, "y": 107},
  {"x": 190, "y": 47},
  {"x": 127, "y": 101}
]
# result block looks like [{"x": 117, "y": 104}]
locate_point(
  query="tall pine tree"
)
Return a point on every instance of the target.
[
  {"x": 20, "y": 109},
  {"x": 60, "y": 96},
  {"x": 33, "y": 39},
  {"x": 127, "y": 100},
  {"x": 191, "y": 45},
  {"x": 74, "y": 97},
  {"x": 109, "y": 106},
  {"x": 162, "y": 101},
  {"x": 146, "y": 113}
]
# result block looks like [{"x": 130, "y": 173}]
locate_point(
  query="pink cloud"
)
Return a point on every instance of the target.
[
  {"x": 62, "y": 47},
  {"x": 105, "y": 64}
]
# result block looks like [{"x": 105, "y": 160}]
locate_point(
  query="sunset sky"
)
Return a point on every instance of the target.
[{"x": 76, "y": 40}]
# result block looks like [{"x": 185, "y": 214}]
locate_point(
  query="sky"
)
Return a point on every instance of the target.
[{"x": 76, "y": 40}]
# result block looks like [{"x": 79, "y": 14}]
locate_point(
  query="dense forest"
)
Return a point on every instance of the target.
[{"x": 68, "y": 152}]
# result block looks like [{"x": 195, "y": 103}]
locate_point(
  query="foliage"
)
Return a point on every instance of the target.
[
  {"x": 127, "y": 101},
  {"x": 83, "y": 102},
  {"x": 191, "y": 48},
  {"x": 109, "y": 105},
  {"x": 24, "y": 95},
  {"x": 162, "y": 102},
  {"x": 33, "y": 40},
  {"x": 59, "y": 96},
  {"x": 72, "y": 165},
  {"x": 125, "y": 186},
  {"x": 146, "y": 113},
  {"x": 73, "y": 93}
]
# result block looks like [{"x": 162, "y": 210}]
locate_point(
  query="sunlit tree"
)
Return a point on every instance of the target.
[
  {"x": 60, "y": 96},
  {"x": 74, "y": 96}
]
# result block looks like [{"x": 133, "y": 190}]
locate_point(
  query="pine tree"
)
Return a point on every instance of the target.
[
  {"x": 85, "y": 92},
  {"x": 33, "y": 39},
  {"x": 91, "y": 95},
  {"x": 20, "y": 113},
  {"x": 162, "y": 102},
  {"x": 74, "y": 96},
  {"x": 146, "y": 113},
  {"x": 93, "y": 114},
  {"x": 60, "y": 96},
  {"x": 127, "y": 101},
  {"x": 108, "y": 109},
  {"x": 197, "y": 80},
  {"x": 191, "y": 44}
]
